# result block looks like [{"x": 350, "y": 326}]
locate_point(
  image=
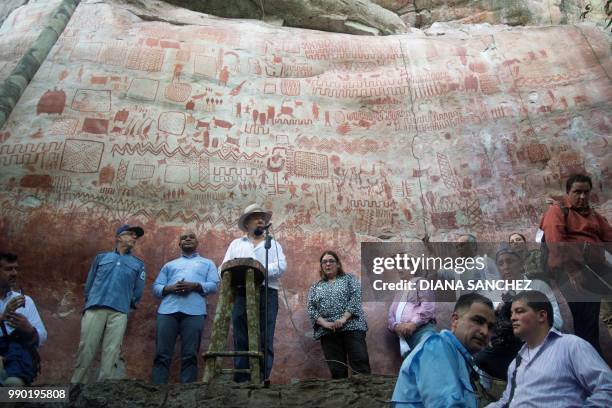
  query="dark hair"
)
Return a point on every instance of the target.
[
  {"x": 471, "y": 241},
  {"x": 504, "y": 251},
  {"x": 519, "y": 234},
  {"x": 466, "y": 301},
  {"x": 537, "y": 301},
  {"x": 336, "y": 257},
  {"x": 8, "y": 257},
  {"x": 577, "y": 178}
]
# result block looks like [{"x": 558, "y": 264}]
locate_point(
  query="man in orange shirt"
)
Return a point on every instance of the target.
[{"x": 567, "y": 227}]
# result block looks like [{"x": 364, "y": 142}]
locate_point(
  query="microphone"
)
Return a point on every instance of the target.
[{"x": 260, "y": 230}]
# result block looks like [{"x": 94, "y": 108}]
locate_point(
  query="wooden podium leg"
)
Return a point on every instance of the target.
[
  {"x": 252, "y": 309},
  {"x": 220, "y": 329}
]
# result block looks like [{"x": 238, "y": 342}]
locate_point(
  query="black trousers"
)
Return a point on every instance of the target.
[
  {"x": 338, "y": 346},
  {"x": 241, "y": 332},
  {"x": 495, "y": 360},
  {"x": 586, "y": 322},
  {"x": 585, "y": 312}
]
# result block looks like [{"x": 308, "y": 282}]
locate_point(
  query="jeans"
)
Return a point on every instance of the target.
[
  {"x": 239, "y": 324},
  {"x": 168, "y": 327},
  {"x": 420, "y": 335},
  {"x": 18, "y": 361},
  {"x": 338, "y": 345}
]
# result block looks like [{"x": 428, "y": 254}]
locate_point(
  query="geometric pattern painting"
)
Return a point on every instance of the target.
[
  {"x": 309, "y": 164},
  {"x": 82, "y": 156}
]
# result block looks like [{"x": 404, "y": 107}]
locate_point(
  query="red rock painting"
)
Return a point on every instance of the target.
[
  {"x": 52, "y": 102},
  {"x": 346, "y": 139},
  {"x": 95, "y": 126}
]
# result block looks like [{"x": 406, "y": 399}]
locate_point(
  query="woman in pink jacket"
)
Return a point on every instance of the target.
[{"x": 412, "y": 316}]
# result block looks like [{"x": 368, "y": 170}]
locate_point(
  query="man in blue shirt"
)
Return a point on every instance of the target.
[
  {"x": 114, "y": 285},
  {"x": 438, "y": 371},
  {"x": 182, "y": 284}
]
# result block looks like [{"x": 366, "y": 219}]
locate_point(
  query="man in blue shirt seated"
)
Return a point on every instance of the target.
[
  {"x": 114, "y": 285},
  {"x": 552, "y": 369},
  {"x": 22, "y": 330},
  {"x": 438, "y": 371},
  {"x": 182, "y": 284}
]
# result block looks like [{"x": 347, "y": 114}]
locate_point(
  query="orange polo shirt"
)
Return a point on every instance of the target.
[{"x": 588, "y": 227}]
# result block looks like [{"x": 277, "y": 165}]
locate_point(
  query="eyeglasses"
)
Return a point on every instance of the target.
[{"x": 328, "y": 261}]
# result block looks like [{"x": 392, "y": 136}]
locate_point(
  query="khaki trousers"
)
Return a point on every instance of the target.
[{"x": 99, "y": 324}]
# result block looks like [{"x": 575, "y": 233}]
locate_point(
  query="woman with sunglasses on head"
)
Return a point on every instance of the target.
[
  {"x": 532, "y": 258},
  {"x": 334, "y": 307}
]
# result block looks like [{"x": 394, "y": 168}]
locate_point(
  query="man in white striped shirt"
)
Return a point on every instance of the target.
[
  {"x": 254, "y": 220},
  {"x": 552, "y": 369}
]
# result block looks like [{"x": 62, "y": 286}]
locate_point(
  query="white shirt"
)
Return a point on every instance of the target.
[
  {"x": 244, "y": 248},
  {"x": 404, "y": 346},
  {"x": 29, "y": 311}
]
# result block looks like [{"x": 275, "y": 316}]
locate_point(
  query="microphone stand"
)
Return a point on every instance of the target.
[{"x": 267, "y": 246}]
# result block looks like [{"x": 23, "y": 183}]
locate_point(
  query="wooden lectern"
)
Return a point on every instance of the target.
[{"x": 239, "y": 272}]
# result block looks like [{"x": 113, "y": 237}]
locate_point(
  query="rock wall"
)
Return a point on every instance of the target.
[
  {"x": 386, "y": 16},
  {"x": 8, "y": 6},
  {"x": 423, "y": 13},
  {"x": 183, "y": 122},
  {"x": 19, "y": 28}
]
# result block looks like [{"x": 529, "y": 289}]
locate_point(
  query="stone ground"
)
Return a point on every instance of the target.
[{"x": 359, "y": 391}]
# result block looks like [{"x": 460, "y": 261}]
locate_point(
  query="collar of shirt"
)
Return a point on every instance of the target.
[
  {"x": 126, "y": 252},
  {"x": 246, "y": 238},
  {"x": 553, "y": 333},
  {"x": 455, "y": 341},
  {"x": 585, "y": 212},
  {"x": 193, "y": 255}
]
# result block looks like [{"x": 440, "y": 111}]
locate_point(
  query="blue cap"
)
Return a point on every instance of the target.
[{"x": 135, "y": 229}]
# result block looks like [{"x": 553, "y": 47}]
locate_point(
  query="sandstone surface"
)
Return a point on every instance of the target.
[{"x": 172, "y": 119}]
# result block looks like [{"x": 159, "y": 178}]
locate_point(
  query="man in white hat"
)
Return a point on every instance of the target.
[{"x": 253, "y": 221}]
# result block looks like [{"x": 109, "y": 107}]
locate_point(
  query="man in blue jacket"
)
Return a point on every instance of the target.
[
  {"x": 439, "y": 372},
  {"x": 182, "y": 284},
  {"x": 114, "y": 285}
]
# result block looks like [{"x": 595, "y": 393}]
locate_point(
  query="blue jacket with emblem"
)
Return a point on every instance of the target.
[{"x": 115, "y": 281}]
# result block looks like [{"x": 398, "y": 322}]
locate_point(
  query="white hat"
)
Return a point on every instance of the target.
[{"x": 253, "y": 209}]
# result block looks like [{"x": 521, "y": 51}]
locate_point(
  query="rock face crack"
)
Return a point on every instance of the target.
[
  {"x": 364, "y": 16},
  {"x": 7, "y": 7},
  {"x": 148, "y": 17},
  {"x": 381, "y": 17}
]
